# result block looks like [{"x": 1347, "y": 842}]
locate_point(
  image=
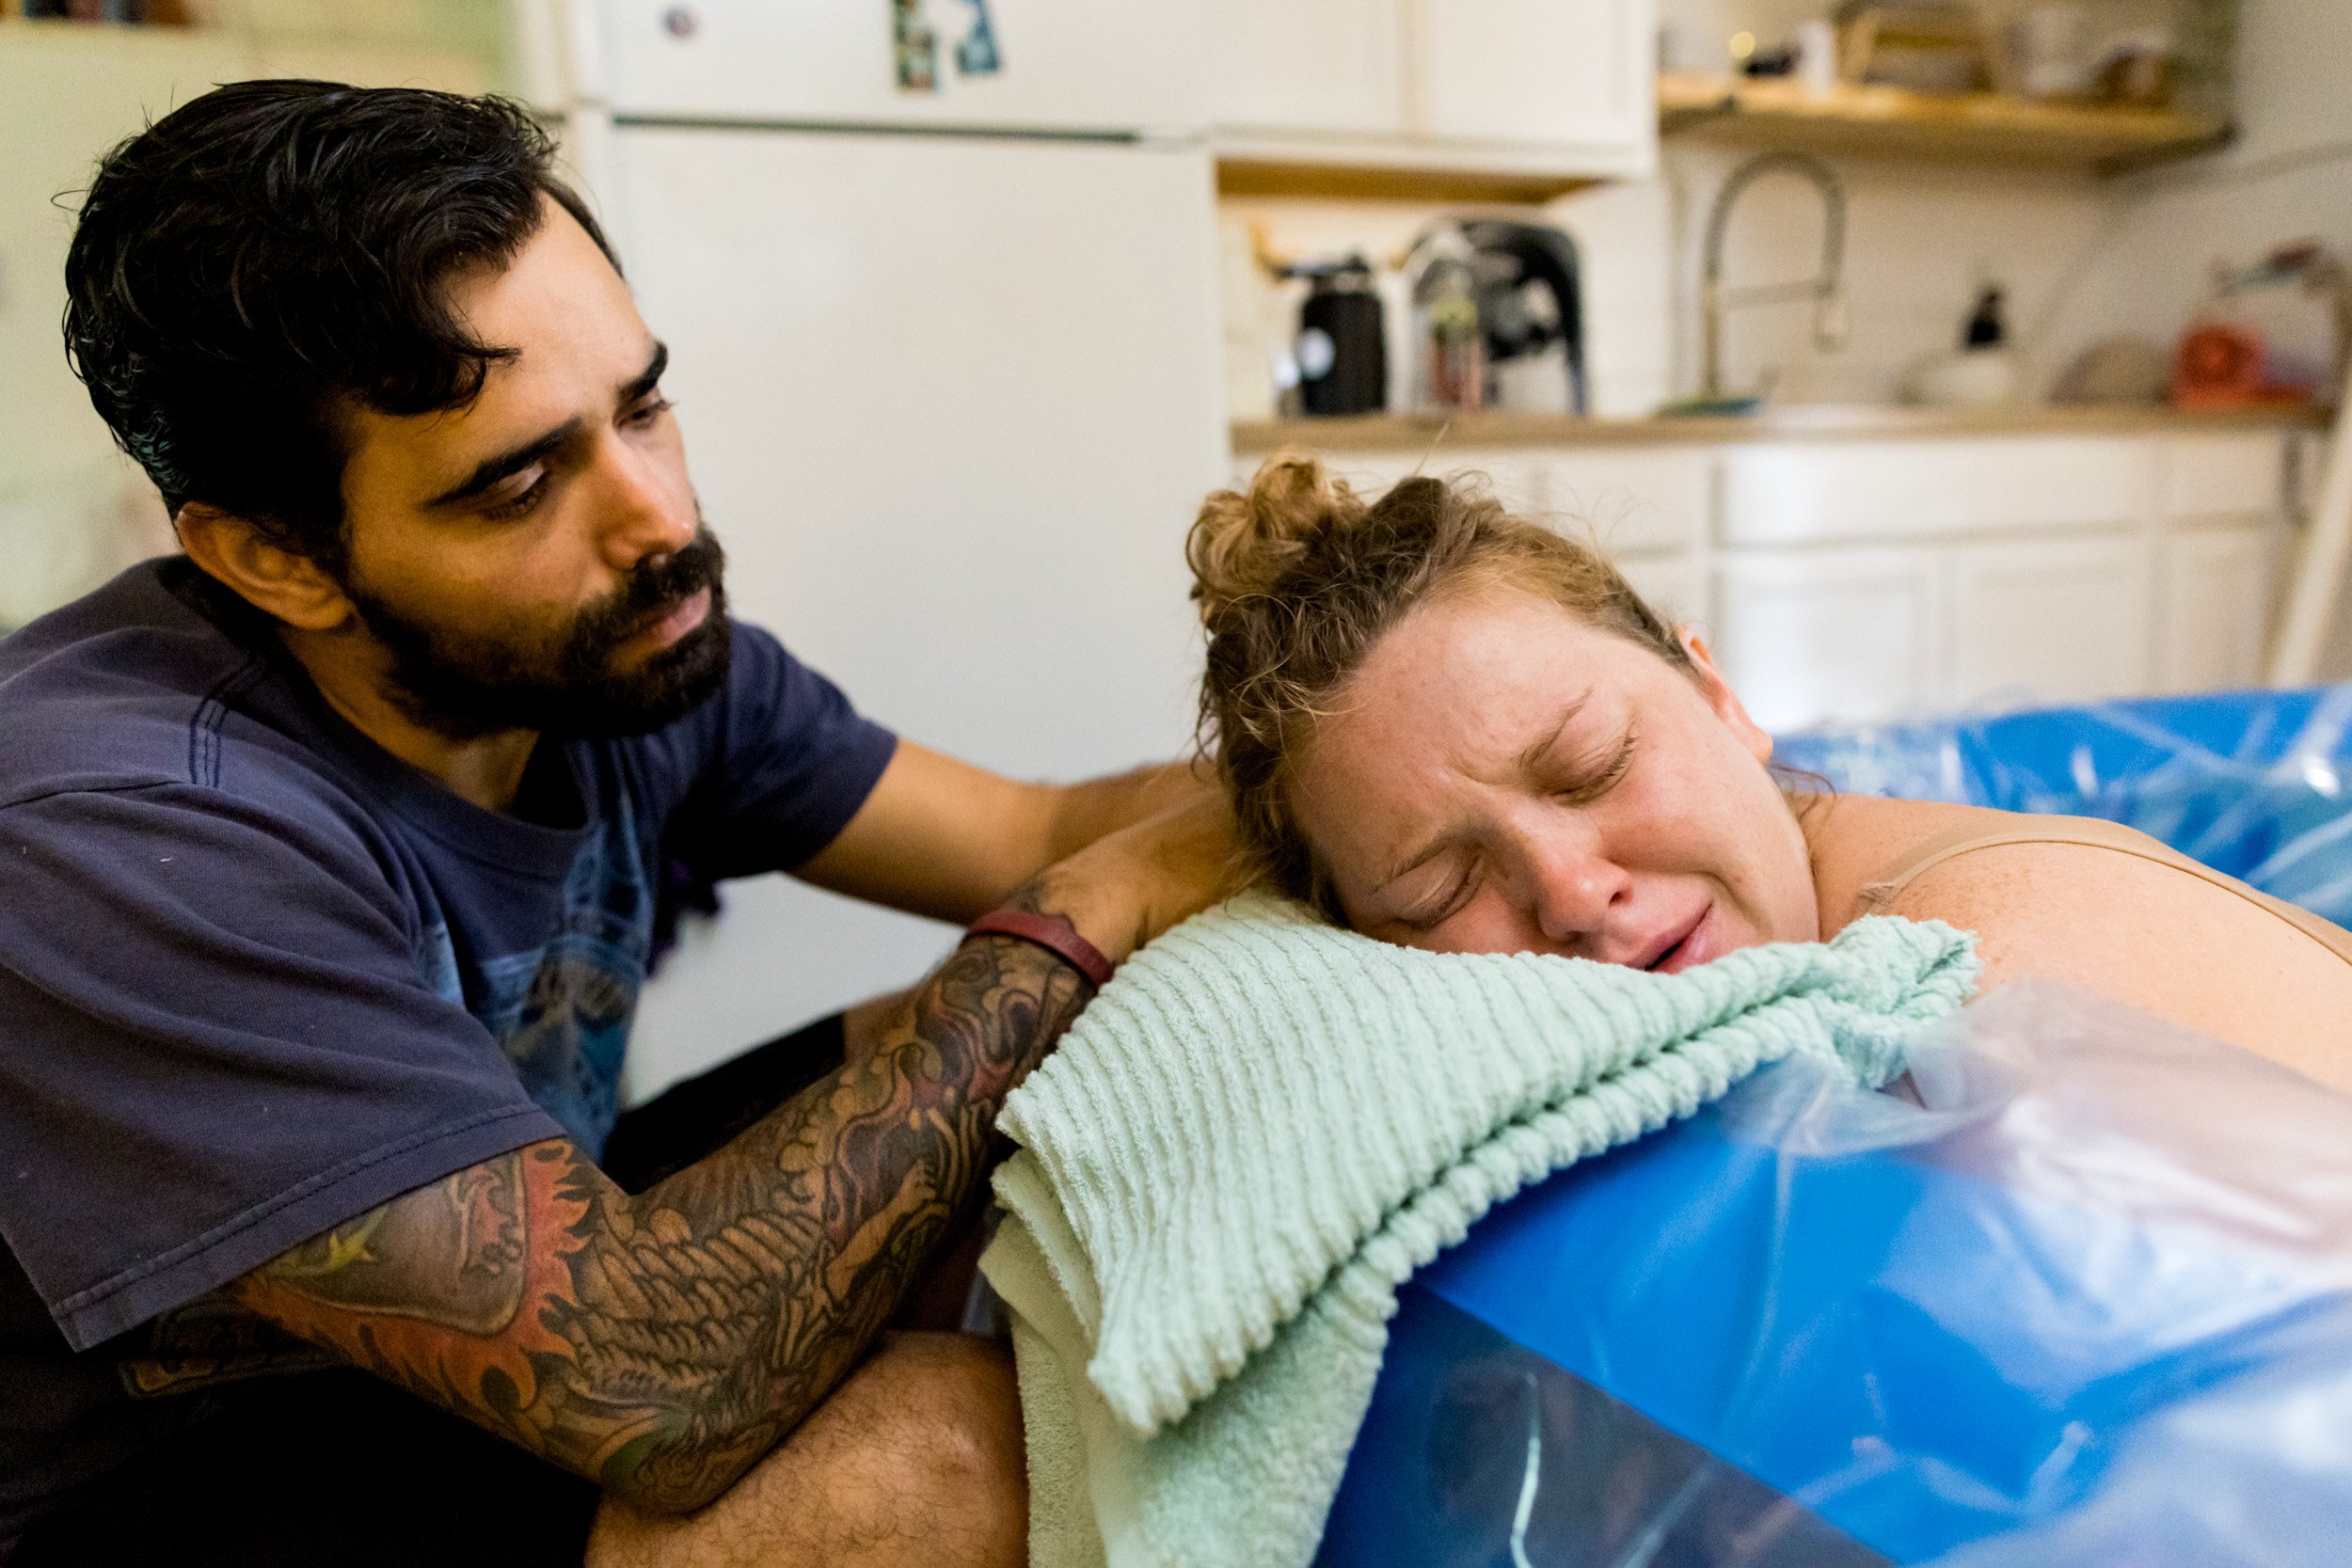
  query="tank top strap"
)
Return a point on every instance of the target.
[{"x": 1880, "y": 895}]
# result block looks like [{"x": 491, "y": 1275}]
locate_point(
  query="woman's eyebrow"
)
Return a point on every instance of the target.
[{"x": 1532, "y": 757}]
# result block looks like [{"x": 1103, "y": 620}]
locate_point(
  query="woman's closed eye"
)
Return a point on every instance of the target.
[
  {"x": 1430, "y": 913},
  {"x": 1593, "y": 777}
]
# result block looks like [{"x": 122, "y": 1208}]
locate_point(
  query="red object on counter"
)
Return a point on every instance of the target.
[{"x": 2222, "y": 366}]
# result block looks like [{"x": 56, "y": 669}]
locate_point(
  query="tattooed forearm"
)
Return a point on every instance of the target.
[{"x": 660, "y": 1344}]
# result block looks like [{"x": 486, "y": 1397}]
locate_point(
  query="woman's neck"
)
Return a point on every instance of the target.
[{"x": 1854, "y": 840}]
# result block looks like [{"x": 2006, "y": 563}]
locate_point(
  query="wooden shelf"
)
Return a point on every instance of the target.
[
  {"x": 1977, "y": 127},
  {"x": 1797, "y": 422},
  {"x": 1340, "y": 181}
]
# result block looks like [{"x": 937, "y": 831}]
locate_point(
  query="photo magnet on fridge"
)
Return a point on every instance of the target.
[
  {"x": 915, "y": 46},
  {"x": 976, "y": 55}
]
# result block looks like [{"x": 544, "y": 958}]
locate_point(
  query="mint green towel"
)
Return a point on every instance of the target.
[{"x": 1264, "y": 1125}]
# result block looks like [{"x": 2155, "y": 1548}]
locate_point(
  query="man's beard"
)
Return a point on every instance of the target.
[{"x": 464, "y": 687}]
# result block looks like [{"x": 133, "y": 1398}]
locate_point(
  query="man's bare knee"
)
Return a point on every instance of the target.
[{"x": 917, "y": 1458}]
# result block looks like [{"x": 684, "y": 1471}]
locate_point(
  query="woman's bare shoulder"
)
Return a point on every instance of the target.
[
  {"x": 2128, "y": 926},
  {"x": 1856, "y": 840}
]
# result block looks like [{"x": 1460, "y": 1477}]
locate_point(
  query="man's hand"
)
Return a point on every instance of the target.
[{"x": 1125, "y": 888}]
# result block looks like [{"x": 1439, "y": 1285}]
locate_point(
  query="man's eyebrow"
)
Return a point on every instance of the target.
[
  {"x": 649, "y": 377},
  {"x": 490, "y": 470}
]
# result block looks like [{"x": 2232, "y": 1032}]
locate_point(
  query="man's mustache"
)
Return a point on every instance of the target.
[{"x": 653, "y": 590}]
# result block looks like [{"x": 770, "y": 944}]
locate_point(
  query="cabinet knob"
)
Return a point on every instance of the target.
[{"x": 681, "y": 22}]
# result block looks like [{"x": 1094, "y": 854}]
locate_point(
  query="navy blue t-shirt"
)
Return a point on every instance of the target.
[{"x": 258, "y": 976}]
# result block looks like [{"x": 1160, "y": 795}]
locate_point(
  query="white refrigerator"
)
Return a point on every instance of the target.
[{"x": 947, "y": 357}]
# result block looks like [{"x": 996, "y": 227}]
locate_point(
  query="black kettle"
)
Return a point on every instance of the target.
[{"x": 1342, "y": 346}]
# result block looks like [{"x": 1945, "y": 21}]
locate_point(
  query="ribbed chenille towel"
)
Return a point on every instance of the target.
[{"x": 1264, "y": 1125}]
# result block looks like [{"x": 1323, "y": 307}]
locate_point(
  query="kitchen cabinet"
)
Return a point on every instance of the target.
[
  {"x": 2219, "y": 584},
  {"x": 1669, "y": 584},
  {"x": 1795, "y": 494},
  {"x": 1545, "y": 72},
  {"x": 2043, "y": 620},
  {"x": 1333, "y": 67},
  {"x": 1843, "y": 631},
  {"x": 1634, "y": 503},
  {"x": 1559, "y": 90},
  {"x": 1904, "y": 568}
]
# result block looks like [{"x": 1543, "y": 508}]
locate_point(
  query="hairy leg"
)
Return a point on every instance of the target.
[{"x": 915, "y": 1459}]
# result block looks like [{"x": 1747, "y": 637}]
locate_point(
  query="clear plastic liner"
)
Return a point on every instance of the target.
[
  {"x": 2256, "y": 784},
  {"x": 2078, "y": 1291}
]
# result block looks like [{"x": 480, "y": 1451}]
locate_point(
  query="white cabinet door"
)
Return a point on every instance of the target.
[
  {"x": 1829, "y": 635},
  {"x": 1797, "y": 492},
  {"x": 2063, "y": 621},
  {"x": 1632, "y": 499},
  {"x": 2218, "y": 585},
  {"x": 1571, "y": 73},
  {"x": 2224, "y": 476},
  {"x": 1330, "y": 66},
  {"x": 1670, "y": 585}
]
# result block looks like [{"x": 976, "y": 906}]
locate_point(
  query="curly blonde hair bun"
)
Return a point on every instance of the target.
[
  {"x": 1298, "y": 575},
  {"x": 1242, "y": 545}
]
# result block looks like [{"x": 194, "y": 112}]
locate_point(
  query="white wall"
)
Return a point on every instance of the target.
[
  {"x": 1921, "y": 238},
  {"x": 2289, "y": 177}
]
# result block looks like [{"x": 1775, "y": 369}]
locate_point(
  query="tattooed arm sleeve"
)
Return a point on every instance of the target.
[{"x": 660, "y": 1344}]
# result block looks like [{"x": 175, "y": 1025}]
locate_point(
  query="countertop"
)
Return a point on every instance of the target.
[{"x": 1797, "y": 422}]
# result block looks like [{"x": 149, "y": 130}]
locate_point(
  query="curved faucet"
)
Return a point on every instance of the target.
[{"x": 1824, "y": 289}]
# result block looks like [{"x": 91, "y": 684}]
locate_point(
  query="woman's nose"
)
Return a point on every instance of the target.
[{"x": 1574, "y": 892}]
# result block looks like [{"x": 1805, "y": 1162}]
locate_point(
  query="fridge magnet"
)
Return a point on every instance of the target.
[
  {"x": 915, "y": 47},
  {"x": 976, "y": 54}
]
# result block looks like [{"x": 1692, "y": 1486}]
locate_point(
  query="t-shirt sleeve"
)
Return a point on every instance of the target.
[
  {"x": 216, "y": 1039},
  {"x": 785, "y": 762}
]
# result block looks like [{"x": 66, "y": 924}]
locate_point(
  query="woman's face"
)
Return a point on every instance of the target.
[{"x": 1499, "y": 777}]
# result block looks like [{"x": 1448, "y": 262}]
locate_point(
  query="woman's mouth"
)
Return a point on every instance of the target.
[{"x": 1692, "y": 945}]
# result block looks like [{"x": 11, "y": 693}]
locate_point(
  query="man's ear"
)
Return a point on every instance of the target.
[
  {"x": 268, "y": 576},
  {"x": 1721, "y": 698}
]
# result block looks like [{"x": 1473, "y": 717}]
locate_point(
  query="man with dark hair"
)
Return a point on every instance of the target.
[{"x": 331, "y": 853}]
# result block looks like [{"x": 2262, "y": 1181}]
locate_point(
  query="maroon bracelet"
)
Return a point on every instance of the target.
[{"x": 1052, "y": 932}]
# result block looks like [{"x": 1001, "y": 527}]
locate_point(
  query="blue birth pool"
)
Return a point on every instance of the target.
[
  {"x": 2258, "y": 784},
  {"x": 1705, "y": 1350},
  {"x": 1745, "y": 1342}
]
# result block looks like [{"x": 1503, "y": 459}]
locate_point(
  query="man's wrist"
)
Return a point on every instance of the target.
[
  {"x": 1055, "y": 933},
  {"x": 1092, "y": 893}
]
